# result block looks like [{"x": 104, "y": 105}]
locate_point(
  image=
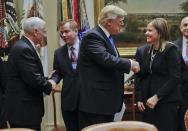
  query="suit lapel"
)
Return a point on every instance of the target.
[
  {"x": 147, "y": 56},
  {"x": 180, "y": 44},
  {"x": 34, "y": 51},
  {"x": 106, "y": 39},
  {"x": 67, "y": 59}
]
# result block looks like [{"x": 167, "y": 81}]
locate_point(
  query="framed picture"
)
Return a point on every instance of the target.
[{"x": 141, "y": 12}]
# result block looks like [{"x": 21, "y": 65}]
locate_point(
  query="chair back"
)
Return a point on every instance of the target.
[
  {"x": 186, "y": 120},
  {"x": 17, "y": 129},
  {"x": 122, "y": 126}
]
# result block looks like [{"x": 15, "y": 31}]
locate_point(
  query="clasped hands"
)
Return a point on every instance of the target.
[
  {"x": 151, "y": 103},
  {"x": 54, "y": 86},
  {"x": 135, "y": 67}
]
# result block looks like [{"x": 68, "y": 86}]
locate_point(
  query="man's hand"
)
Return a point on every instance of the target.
[
  {"x": 135, "y": 66},
  {"x": 51, "y": 73},
  {"x": 152, "y": 101},
  {"x": 54, "y": 85}
]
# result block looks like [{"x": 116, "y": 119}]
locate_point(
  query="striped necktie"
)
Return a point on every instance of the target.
[{"x": 73, "y": 57}]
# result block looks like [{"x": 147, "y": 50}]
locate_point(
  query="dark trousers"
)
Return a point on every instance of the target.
[
  {"x": 87, "y": 119},
  {"x": 163, "y": 116},
  {"x": 3, "y": 123},
  {"x": 34, "y": 127},
  {"x": 71, "y": 120}
]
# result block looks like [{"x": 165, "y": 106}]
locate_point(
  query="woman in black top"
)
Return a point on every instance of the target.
[{"x": 157, "y": 84}]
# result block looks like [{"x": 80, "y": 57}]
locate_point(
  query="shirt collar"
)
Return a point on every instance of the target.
[
  {"x": 185, "y": 40},
  {"x": 75, "y": 45},
  {"x": 104, "y": 30},
  {"x": 32, "y": 43}
]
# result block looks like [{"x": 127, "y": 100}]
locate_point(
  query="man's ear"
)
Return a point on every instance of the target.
[
  {"x": 35, "y": 31},
  {"x": 76, "y": 30},
  {"x": 109, "y": 23}
]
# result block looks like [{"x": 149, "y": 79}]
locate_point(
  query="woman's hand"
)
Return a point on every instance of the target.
[{"x": 152, "y": 101}]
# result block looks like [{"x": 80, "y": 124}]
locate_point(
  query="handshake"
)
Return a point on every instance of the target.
[
  {"x": 135, "y": 67},
  {"x": 54, "y": 86}
]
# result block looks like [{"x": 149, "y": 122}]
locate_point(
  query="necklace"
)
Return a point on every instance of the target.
[{"x": 153, "y": 54}]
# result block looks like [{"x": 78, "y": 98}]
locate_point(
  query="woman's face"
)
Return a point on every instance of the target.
[{"x": 152, "y": 35}]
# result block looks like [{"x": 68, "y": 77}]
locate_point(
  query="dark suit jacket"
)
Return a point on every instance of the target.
[
  {"x": 63, "y": 70},
  {"x": 26, "y": 85},
  {"x": 163, "y": 78},
  {"x": 3, "y": 81},
  {"x": 101, "y": 74},
  {"x": 2, "y": 92},
  {"x": 138, "y": 81},
  {"x": 184, "y": 68}
]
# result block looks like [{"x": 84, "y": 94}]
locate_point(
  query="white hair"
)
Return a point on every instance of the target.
[
  {"x": 33, "y": 23},
  {"x": 110, "y": 12}
]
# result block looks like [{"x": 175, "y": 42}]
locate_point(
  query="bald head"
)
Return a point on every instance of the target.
[{"x": 184, "y": 27}]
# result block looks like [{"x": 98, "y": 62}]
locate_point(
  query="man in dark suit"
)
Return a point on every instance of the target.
[
  {"x": 101, "y": 70},
  {"x": 65, "y": 67},
  {"x": 182, "y": 45},
  {"x": 26, "y": 82}
]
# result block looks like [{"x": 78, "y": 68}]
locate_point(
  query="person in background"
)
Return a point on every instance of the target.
[
  {"x": 2, "y": 94},
  {"x": 101, "y": 70},
  {"x": 160, "y": 76},
  {"x": 65, "y": 67},
  {"x": 182, "y": 45},
  {"x": 26, "y": 82}
]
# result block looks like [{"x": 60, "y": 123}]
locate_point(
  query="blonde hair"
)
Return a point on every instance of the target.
[{"x": 110, "y": 12}]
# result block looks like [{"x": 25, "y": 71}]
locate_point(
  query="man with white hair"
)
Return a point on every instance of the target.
[
  {"x": 101, "y": 70},
  {"x": 26, "y": 82}
]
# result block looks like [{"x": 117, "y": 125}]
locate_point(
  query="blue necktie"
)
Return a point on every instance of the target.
[{"x": 112, "y": 43}]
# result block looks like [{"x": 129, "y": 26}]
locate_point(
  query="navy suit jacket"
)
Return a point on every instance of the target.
[
  {"x": 184, "y": 68},
  {"x": 101, "y": 74},
  {"x": 26, "y": 85},
  {"x": 63, "y": 70}
]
